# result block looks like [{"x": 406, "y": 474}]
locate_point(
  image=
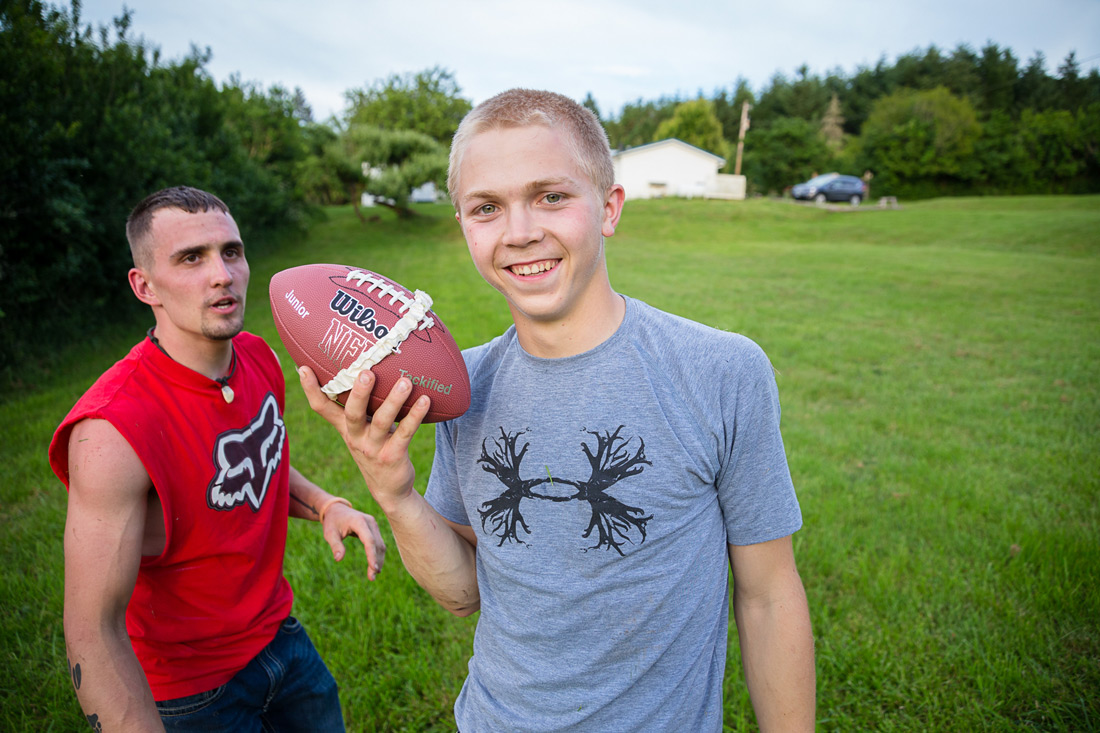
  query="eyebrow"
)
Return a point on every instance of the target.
[
  {"x": 528, "y": 189},
  {"x": 200, "y": 248}
]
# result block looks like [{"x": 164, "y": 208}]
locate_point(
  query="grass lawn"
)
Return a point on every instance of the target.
[{"x": 939, "y": 368}]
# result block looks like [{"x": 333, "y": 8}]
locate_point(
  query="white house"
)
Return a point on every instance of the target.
[{"x": 674, "y": 168}]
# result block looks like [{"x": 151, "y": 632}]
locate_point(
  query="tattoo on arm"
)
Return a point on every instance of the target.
[
  {"x": 74, "y": 672},
  {"x": 307, "y": 506}
]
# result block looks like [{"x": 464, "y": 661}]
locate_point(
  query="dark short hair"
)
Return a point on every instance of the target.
[{"x": 185, "y": 198}]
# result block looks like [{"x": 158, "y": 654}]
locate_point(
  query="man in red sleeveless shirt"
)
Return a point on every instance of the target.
[{"x": 177, "y": 613}]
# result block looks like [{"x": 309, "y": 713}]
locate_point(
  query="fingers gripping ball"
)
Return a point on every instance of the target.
[{"x": 339, "y": 320}]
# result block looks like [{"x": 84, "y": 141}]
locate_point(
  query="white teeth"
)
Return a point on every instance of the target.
[{"x": 533, "y": 269}]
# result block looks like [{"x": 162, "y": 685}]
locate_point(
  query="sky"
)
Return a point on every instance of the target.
[{"x": 618, "y": 51}]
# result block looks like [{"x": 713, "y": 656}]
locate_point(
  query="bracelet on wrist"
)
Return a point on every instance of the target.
[{"x": 334, "y": 500}]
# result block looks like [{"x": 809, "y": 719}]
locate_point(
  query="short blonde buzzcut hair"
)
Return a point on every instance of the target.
[{"x": 584, "y": 134}]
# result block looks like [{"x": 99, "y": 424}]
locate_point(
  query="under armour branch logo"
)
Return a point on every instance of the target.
[{"x": 613, "y": 523}]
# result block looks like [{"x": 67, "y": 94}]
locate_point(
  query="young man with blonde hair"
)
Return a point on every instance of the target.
[
  {"x": 177, "y": 613},
  {"x": 615, "y": 462}
]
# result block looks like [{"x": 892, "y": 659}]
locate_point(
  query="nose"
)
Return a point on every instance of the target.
[
  {"x": 221, "y": 275},
  {"x": 521, "y": 227}
]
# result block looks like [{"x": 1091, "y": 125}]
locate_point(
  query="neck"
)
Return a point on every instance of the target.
[
  {"x": 583, "y": 330},
  {"x": 209, "y": 357}
]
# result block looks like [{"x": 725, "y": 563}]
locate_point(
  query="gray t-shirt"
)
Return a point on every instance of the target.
[{"x": 603, "y": 489}]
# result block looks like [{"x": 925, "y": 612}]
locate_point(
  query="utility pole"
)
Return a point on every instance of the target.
[{"x": 745, "y": 106}]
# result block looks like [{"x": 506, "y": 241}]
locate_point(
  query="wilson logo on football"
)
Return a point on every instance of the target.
[{"x": 340, "y": 320}]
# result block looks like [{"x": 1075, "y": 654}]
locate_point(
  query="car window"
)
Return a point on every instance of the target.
[{"x": 822, "y": 179}]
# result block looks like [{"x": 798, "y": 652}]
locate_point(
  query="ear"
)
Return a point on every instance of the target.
[
  {"x": 461, "y": 226},
  {"x": 613, "y": 208},
  {"x": 142, "y": 287}
]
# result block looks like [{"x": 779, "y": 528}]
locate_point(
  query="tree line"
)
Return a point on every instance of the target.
[
  {"x": 929, "y": 124},
  {"x": 91, "y": 120}
]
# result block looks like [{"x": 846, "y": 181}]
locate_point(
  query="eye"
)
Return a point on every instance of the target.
[
  {"x": 486, "y": 209},
  {"x": 553, "y": 198}
]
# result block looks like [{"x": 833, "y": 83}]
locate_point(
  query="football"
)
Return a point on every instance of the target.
[{"x": 339, "y": 320}]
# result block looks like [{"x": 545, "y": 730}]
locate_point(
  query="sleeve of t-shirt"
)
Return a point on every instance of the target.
[
  {"x": 442, "y": 492},
  {"x": 755, "y": 489}
]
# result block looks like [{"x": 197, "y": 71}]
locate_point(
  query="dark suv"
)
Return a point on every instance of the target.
[{"x": 831, "y": 187}]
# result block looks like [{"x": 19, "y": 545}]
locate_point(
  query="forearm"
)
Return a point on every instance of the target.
[
  {"x": 307, "y": 499},
  {"x": 777, "y": 653},
  {"x": 109, "y": 682},
  {"x": 437, "y": 557}
]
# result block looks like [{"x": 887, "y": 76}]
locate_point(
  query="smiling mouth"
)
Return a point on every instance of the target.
[{"x": 534, "y": 268}]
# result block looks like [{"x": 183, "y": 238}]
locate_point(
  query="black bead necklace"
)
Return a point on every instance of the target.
[{"x": 227, "y": 391}]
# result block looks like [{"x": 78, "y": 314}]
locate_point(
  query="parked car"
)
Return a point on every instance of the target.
[{"x": 831, "y": 187}]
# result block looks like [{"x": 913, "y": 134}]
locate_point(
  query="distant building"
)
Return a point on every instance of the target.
[
  {"x": 674, "y": 168},
  {"x": 425, "y": 193}
]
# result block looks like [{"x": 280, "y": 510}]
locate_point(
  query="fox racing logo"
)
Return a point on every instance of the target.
[{"x": 247, "y": 459}]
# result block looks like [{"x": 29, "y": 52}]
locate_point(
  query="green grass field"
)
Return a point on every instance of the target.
[{"x": 939, "y": 368}]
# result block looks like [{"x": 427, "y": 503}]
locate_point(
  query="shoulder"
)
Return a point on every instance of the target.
[
  {"x": 252, "y": 347},
  {"x": 482, "y": 360},
  {"x": 96, "y": 404},
  {"x": 696, "y": 345},
  {"x": 250, "y": 343},
  {"x": 101, "y": 458}
]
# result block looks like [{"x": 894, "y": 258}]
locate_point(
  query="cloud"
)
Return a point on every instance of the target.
[{"x": 617, "y": 50}]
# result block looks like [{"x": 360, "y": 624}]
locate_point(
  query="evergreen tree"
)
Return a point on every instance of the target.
[
  {"x": 695, "y": 123},
  {"x": 832, "y": 125}
]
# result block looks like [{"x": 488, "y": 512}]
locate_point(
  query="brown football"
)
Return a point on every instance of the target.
[{"x": 338, "y": 320}]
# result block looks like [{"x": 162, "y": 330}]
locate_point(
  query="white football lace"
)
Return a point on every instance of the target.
[{"x": 415, "y": 318}]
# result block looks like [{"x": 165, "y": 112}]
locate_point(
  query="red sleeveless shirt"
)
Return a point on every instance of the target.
[{"x": 216, "y": 595}]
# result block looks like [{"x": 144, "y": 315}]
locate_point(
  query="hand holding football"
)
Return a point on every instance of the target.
[{"x": 339, "y": 320}]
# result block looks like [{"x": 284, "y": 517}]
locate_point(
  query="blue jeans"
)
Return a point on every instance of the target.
[{"x": 286, "y": 688}]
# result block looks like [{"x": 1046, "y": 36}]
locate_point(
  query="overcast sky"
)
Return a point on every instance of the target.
[{"x": 619, "y": 50}]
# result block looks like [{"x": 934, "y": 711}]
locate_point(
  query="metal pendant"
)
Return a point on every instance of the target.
[{"x": 227, "y": 393}]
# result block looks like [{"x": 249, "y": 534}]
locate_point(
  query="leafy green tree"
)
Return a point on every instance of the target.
[
  {"x": 267, "y": 127},
  {"x": 787, "y": 151},
  {"x": 91, "y": 122},
  {"x": 428, "y": 102},
  {"x": 1088, "y": 125},
  {"x": 1054, "y": 150},
  {"x": 319, "y": 172},
  {"x": 1002, "y": 158},
  {"x": 387, "y": 164},
  {"x": 696, "y": 124},
  {"x": 920, "y": 142}
]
